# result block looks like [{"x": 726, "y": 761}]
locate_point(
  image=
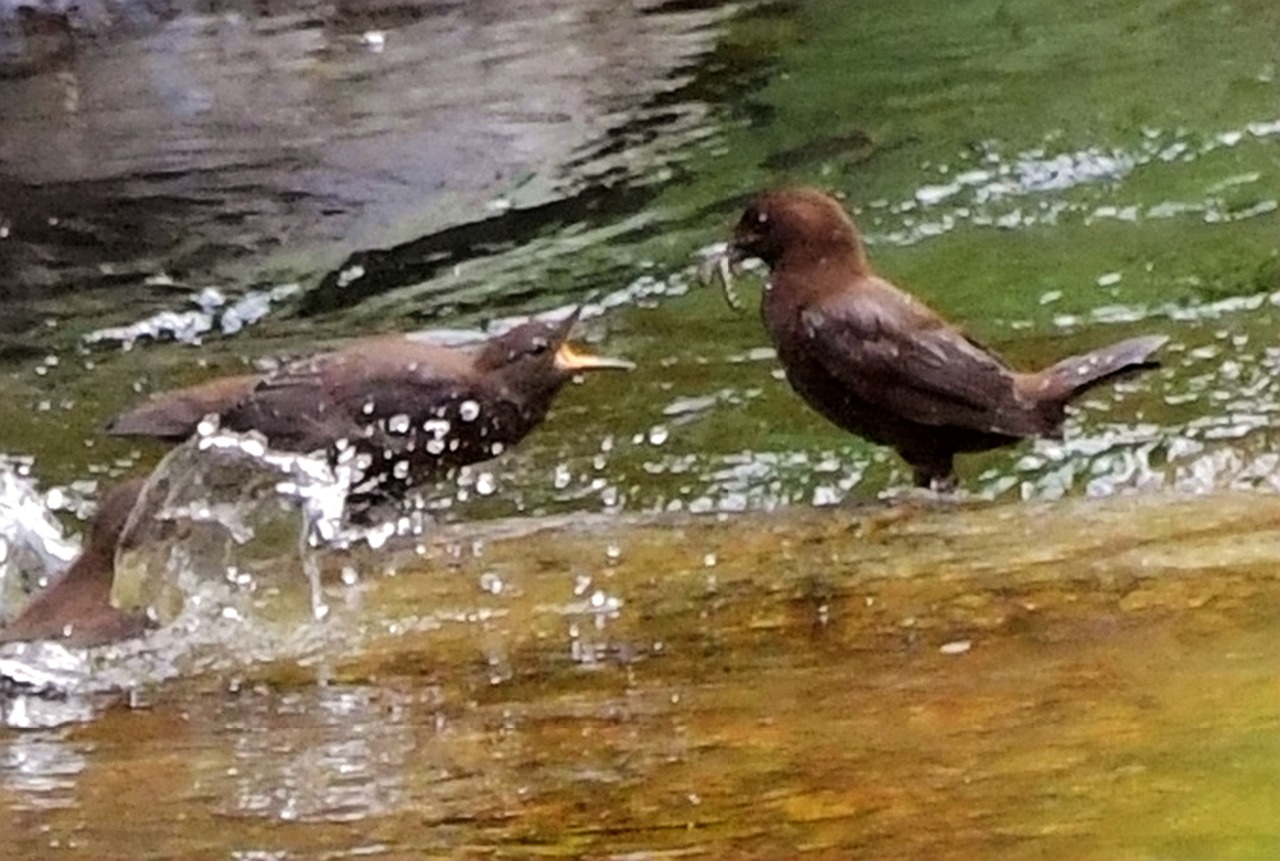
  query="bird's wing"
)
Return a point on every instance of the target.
[
  {"x": 898, "y": 355},
  {"x": 311, "y": 403},
  {"x": 294, "y": 411}
]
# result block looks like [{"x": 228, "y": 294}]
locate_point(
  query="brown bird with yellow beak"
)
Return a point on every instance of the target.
[{"x": 406, "y": 411}]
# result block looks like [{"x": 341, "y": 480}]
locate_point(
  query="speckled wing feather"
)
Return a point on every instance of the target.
[
  {"x": 389, "y": 397},
  {"x": 294, "y": 413},
  {"x": 896, "y": 354}
]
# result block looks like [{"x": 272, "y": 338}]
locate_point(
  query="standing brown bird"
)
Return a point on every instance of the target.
[
  {"x": 404, "y": 410},
  {"x": 882, "y": 365},
  {"x": 76, "y": 606}
]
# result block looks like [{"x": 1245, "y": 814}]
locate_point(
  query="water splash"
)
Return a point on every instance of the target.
[
  {"x": 211, "y": 555},
  {"x": 32, "y": 545}
]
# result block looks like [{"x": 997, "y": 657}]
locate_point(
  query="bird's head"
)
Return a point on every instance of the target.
[
  {"x": 535, "y": 358},
  {"x": 796, "y": 225}
]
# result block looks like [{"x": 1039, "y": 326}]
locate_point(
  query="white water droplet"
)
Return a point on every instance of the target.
[
  {"x": 485, "y": 483},
  {"x": 560, "y": 480},
  {"x": 398, "y": 423},
  {"x": 378, "y": 536},
  {"x": 468, "y": 411},
  {"x": 658, "y": 434},
  {"x": 350, "y": 274}
]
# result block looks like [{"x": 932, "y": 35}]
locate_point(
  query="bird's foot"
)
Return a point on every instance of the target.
[
  {"x": 945, "y": 485},
  {"x": 931, "y": 487},
  {"x": 940, "y": 481}
]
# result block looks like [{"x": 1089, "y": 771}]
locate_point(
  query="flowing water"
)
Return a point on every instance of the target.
[{"x": 682, "y": 618}]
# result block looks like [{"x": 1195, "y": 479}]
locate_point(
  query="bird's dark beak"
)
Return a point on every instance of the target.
[{"x": 571, "y": 361}]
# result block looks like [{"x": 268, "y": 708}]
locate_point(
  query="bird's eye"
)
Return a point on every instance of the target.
[{"x": 539, "y": 346}]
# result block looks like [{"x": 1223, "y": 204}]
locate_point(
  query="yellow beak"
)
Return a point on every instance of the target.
[{"x": 571, "y": 361}]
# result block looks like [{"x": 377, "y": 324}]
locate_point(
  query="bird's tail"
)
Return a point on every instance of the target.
[
  {"x": 175, "y": 416},
  {"x": 1075, "y": 375}
]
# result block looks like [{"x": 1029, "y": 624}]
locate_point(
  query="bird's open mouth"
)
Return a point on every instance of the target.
[{"x": 569, "y": 359}]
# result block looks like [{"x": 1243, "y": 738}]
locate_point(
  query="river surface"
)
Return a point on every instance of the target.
[{"x": 685, "y": 617}]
